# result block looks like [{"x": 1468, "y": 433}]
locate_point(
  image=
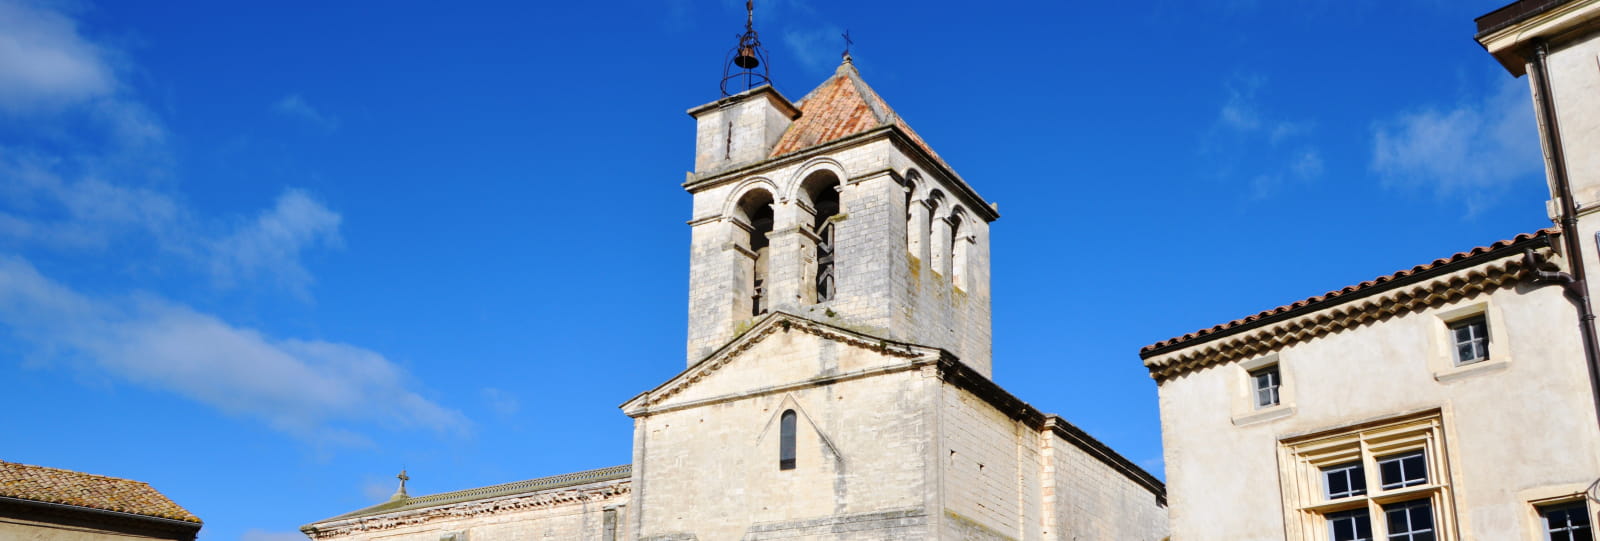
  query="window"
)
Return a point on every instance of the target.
[
  {"x": 1384, "y": 480},
  {"x": 786, "y": 440},
  {"x": 1403, "y": 470},
  {"x": 1352, "y": 525},
  {"x": 1410, "y": 521},
  {"x": 1267, "y": 381},
  {"x": 1344, "y": 480},
  {"x": 1471, "y": 338},
  {"x": 1566, "y": 521}
]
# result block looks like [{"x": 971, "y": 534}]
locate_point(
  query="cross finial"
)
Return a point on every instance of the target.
[
  {"x": 400, "y": 493},
  {"x": 847, "y": 42}
]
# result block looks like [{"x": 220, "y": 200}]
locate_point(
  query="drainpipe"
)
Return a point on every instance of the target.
[{"x": 1577, "y": 287}]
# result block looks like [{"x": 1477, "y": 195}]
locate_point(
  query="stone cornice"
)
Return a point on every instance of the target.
[
  {"x": 1270, "y": 338},
  {"x": 469, "y": 509}
]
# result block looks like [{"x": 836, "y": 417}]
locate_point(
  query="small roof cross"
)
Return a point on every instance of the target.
[{"x": 847, "y": 42}]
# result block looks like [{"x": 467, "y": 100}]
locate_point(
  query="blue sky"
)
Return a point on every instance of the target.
[{"x": 263, "y": 256}]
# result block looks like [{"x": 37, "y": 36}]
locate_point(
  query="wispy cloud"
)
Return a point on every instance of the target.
[
  {"x": 1248, "y": 142},
  {"x": 1470, "y": 151},
  {"x": 295, "y": 106},
  {"x": 97, "y": 188},
  {"x": 272, "y": 244},
  {"x": 45, "y": 64},
  {"x": 816, "y": 48},
  {"x": 308, "y": 388}
]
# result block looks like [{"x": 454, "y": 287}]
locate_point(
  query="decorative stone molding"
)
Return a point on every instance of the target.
[{"x": 471, "y": 509}]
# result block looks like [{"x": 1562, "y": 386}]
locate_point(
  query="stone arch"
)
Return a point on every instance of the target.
[
  {"x": 791, "y": 188},
  {"x": 750, "y": 222},
  {"x": 961, "y": 240},
  {"x": 939, "y": 233},
  {"x": 730, "y": 206},
  {"x": 916, "y": 217},
  {"x": 817, "y": 199}
]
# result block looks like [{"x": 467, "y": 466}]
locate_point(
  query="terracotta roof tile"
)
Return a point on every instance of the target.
[
  {"x": 840, "y": 107},
  {"x": 52, "y": 485},
  {"x": 1317, "y": 301}
]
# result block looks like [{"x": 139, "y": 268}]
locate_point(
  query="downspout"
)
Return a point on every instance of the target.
[{"x": 1576, "y": 285}]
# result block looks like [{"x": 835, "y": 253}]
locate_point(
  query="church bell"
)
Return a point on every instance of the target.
[{"x": 747, "y": 58}]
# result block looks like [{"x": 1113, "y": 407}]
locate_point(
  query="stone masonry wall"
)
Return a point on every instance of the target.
[
  {"x": 881, "y": 289},
  {"x": 709, "y": 469}
]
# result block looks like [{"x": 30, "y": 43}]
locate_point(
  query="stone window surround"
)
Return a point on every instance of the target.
[
  {"x": 1441, "y": 345},
  {"x": 1300, "y": 459},
  {"x": 1537, "y": 497},
  {"x": 1245, "y": 411}
]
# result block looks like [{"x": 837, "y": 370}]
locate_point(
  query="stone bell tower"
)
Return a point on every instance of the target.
[{"x": 832, "y": 209}]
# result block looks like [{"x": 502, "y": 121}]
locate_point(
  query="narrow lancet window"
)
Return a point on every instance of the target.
[{"x": 786, "y": 440}]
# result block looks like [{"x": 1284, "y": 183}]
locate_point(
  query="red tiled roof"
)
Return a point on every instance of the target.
[
  {"x": 1332, "y": 296},
  {"x": 840, "y": 107},
  {"x": 51, "y": 485}
]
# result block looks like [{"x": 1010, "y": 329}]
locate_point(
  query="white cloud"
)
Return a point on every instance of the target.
[
  {"x": 307, "y": 388},
  {"x": 816, "y": 48},
  {"x": 1471, "y": 150},
  {"x": 45, "y": 64},
  {"x": 272, "y": 244},
  {"x": 263, "y": 535},
  {"x": 1244, "y": 140},
  {"x": 295, "y": 106}
]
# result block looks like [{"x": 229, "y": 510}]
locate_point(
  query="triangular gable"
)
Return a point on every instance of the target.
[{"x": 776, "y": 340}]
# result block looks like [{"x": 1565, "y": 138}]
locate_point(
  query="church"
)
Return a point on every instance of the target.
[{"x": 837, "y": 383}]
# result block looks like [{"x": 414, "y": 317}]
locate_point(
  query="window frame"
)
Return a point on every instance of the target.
[
  {"x": 1304, "y": 462},
  {"x": 1442, "y": 357},
  {"x": 1274, "y": 386},
  {"x": 1542, "y": 524},
  {"x": 788, "y": 425},
  {"x": 1477, "y": 339}
]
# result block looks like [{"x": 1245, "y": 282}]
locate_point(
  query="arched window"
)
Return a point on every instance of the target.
[
  {"x": 960, "y": 245},
  {"x": 821, "y": 190},
  {"x": 786, "y": 426},
  {"x": 755, "y": 220}
]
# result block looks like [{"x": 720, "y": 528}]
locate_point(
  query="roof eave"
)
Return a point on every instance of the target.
[{"x": 1537, "y": 240}]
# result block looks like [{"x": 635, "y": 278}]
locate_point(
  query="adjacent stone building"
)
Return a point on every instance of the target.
[
  {"x": 49, "y": 504},
  {"x": 1454, "y": 400},
  {"x": 838, "y": 366}
]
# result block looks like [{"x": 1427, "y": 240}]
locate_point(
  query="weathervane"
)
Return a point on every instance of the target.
[{"x": 746, "y": 57}]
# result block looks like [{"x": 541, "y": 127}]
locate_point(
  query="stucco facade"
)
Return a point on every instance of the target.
[
  {"x": 1513, "y": 429},
  {"x": 1456, "y": 398},
  {"x": 839, "y": 357}
]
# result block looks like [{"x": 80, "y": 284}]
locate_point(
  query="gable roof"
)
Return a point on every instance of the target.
[
  {"x": 769, "y": 324},
  {"x": 518, "y": 488},
  {"x": 1414, "y": 275},
  {"x": 77, "y": 489}
]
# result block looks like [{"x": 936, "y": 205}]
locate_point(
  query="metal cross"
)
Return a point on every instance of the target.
[{"x": 847, "y": 42}]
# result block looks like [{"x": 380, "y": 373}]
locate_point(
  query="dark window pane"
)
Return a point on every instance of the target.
[
  {"x": 786, "y": 427},
  {"x": 1352, "y": 525},
  {"x": 1405, "y": 470}
]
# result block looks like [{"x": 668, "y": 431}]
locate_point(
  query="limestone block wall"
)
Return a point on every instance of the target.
[
  {"x": 576, "y": 513},
  {"x": 881, "y": 289},
  {"x": 1090, "y": 499},
  {"x": 711, "y": 471},
  {"x": 1510, "y": 424},
  {"x": 990, "y": 471}
]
